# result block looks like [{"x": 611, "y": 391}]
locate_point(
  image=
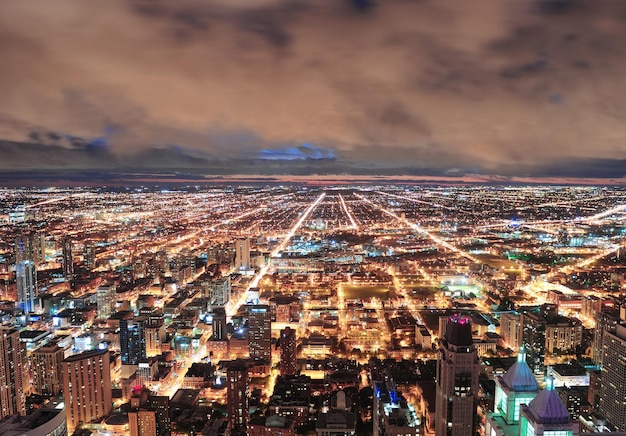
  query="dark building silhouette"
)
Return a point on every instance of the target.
[
  {"x": 238, "y": 393},
  {"x": 457, "y": 380},
  {"x": 260, "y": 333},
  {"x": 287, "y": 343},
  {"x": 219, "y": 324},
  {"x": 132, "y": 341},
  {"x": 68, "y": 263}
]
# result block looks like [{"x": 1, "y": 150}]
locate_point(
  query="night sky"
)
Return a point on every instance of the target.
[{"x": 446, "y": 87}]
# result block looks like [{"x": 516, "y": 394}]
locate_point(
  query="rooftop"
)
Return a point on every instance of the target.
[
  {"x": 547, "y": 407},
  {"x": 520, "y": 377}
]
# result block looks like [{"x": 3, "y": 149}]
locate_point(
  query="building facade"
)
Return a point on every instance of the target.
[
  {"x": 260, "y": 332},
  {"x": 287, "y": 352},
  {"x": 26, "y": 279},
  {"x": 242, "y": 254},
  {"x": 132, "y": 341},
  {"x": 68, "y": 262},
  {"x": 13, "y": 374},
  {"x": 546, "y": 415},
  {"x": 105, "y": 300},
  {"x": 237, "y": 393},
  {"x": 613, "y": 385},
  {"x": 45, "y": 366},
  {"x": 510, "y": 329},
  {"x": 516, "y": 387},
  {"x": 607, "y": 319},
  {"x": 457, "y": 380},
  {"x": 86, "y": 387}
]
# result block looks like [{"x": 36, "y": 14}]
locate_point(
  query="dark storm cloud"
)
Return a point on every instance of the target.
[{"x": 485, "y": 85}]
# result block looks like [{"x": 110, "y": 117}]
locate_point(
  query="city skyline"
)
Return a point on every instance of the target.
[
  {"x": 300, "y": 87},
  {"x": 313, "y": 217},
  {"x": 378, "y": 310}
]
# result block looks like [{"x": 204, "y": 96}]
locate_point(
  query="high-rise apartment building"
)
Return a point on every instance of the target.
[
  {"x": 105, "y": 300},
  {"x": 220, "y": 332},
  {"x": 287, "y": 352},
  {"x": 534, "y": 340},
  {"x": 45, "y": 366},
  {"x": 510, "y": 329},
  {"x": 154, "y": 333},
  {"x": 89, "y": 255},
  {"x": 68, "y": 262},
  {"x": 13, "y": 373},
  {"x": 563, "y": 335},
  {"x": 457, "y": 380},
  {"x": 86, "y": 387},
  {"x": 606, "y": 319},
  {"x": 161, "y": 406},
  {"x": 237, "y": 393},
  {"x": 260, "y": 332},
  {"x": 132, "y": 340},
  {"x": 220, "y": 291},
  {"x": 242, "y": 253},
  {"x": 546, "y": 332},
  {"x": 613, "y": 385},
  {"x": 28, "y": 254},
  {"x": 149, "y": 415}
]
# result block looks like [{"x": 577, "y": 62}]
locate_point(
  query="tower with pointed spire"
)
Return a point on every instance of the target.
[
  {"x": 516, "y": 387},
  {"x": 546, "y": 415}
]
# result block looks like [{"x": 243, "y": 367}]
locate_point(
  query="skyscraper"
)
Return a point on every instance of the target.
[
  {"x": 89, "y": 255},
  {"x": 220, "y": 290},
  {"x": 457, "y": 380},
  {"x": 516, "y": 387},
  {"x": 30, "y": 246},
  {"x": 606, "y": 319},
  {"x": 27, "y": 256},
  {"x": 242, "y": 253},
  {"x": 260, "y": 332},
  {"x": 287, "y": 351},
  {"x": 613, "y": 386},
  {"x": 510, "y": 329},
  {"x": 105, "y": 299},
  {"x": 26, "y": 278},
  {"x": 132, "y": 340},
  {"x": 546, "y": 415},
  {"x": 68, "y": 263},
  {"x": 86, "y": 387},
  {"x": 534, "y": 340},
  {"x": 237, "y": 393},
  {"x": 46, "y": 365},
  {"x": 219, "y": 324},
  {"x": 154, "y": 333},
  {"x": 13, "y": 375}
]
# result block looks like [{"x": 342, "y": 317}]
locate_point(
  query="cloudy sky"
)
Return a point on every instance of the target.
[{"x": 510, "y": 87}]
